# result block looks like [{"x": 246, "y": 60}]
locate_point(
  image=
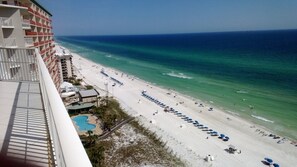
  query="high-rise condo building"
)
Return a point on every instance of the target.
[
  {"x": 26, "y": 24},
  {"x": 64, "y": 63}
]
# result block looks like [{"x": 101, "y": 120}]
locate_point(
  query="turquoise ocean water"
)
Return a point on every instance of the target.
[{"x": 252, "y": 74}]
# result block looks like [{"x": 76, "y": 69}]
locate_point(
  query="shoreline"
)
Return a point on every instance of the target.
[
  {"x": 269, "y": 124},
  {"x": 208, "y": 103},
  {"x": 217, "y": 119}
]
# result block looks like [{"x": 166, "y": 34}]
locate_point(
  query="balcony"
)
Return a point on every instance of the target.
[
  {"x": 26, "y": 24},
  {"x": 6, "y": 22},
  {"x": 31, "y": 33},
  {"x": 9, "y": 43},
  {"x": 29, "y": 42},
  {"x": 35, "y": 126}
]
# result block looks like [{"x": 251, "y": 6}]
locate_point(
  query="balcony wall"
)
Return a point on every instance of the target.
[
  {"x": 27, "y": 65},
  {"x": 6, "y": 22}
]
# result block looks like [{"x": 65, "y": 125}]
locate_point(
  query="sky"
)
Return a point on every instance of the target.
[{"x": 129, "y": 17}]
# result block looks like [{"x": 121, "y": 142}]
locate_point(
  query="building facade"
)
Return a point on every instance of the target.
[
  {"x": 64, "y": 58},
  {"x": 26, "y": 24}
]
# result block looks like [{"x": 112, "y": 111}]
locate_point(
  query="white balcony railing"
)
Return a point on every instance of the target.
[
  {"x": 26, "y": 24},
  {"x": 6, "y": 22},
  {"x": 9, "y": 42},
  {"x": 67, "y": 149},
  {"x": 29, "y": 41}
]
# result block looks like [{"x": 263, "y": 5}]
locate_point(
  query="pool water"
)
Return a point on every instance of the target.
[{"x": 83, "y": 124}]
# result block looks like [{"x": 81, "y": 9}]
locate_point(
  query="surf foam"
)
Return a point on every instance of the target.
[
  {"x": 177, "y": 75},
  {"x": 242, "y": 92},
  {"x": 262, "y": 118}
]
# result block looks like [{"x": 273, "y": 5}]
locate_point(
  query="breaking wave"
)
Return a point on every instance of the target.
[
  {"x": 177, "y": 75},
  {"x": 262, "y": 118},
  {"x": 242, "y": 92}
]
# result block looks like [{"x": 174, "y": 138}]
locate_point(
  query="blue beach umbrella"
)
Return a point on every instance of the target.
[
  {"x": 275, "y": 165},
  {"x": 269, "y": 160},
  {"x": 226, "y": 138}
]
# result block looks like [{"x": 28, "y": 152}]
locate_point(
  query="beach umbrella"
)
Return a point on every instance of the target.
[
  {"x": 222, "y": 135},
  {"x": 214, "y": 133},
  {"x": 269, "y": 160},
  {"x": 226, "y": 138},
  {"x": 275, "y": 165},
  {"x": 152, "y": 121}
]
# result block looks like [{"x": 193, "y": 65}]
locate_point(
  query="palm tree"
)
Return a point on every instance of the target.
[
  {"x": 90, "y": 132},
  {"x": 90, "y": 136}
]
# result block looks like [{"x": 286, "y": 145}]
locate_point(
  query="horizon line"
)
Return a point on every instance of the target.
[{"x": 206, "y": 32}]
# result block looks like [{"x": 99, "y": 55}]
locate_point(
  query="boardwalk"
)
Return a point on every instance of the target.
[{"x": 107, "y": 133}]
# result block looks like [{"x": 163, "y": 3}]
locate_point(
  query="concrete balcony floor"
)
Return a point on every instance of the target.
[{"x": 23, "y": 128}]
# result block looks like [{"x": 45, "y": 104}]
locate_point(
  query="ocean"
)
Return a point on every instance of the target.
[{"x": 249, "y": 74}]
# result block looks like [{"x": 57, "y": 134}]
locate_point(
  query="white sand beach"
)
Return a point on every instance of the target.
[{"x": 190, "y": 143}]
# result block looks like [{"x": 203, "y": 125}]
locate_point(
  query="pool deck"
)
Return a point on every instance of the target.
[{"x": 92, "y": 120}]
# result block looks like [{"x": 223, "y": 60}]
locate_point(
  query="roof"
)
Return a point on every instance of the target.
[
  {"x": 36, "y": 3},
  {"x": 80, "y": 106},
  {"x": 62, "y": 52},
  {"x": 88, "y": 93},
  {"x": 66, "y": 84}
]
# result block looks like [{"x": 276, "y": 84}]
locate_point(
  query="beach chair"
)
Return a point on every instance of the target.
[{"x": 221, "y": 136}]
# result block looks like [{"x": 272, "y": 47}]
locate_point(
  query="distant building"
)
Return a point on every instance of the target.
[
  {"x": 27, "y": 24},
  {"x": 88, "y": 95},
  {"x": 64, "y": 58},
  {"x": 67, "y": 90}
]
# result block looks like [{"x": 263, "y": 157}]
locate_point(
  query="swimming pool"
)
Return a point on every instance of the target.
[{"x": 83, "y": 124}]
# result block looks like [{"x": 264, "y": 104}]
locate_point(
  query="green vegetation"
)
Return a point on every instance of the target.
[
  {"x": 88, "y": 87},
  {"x": 109, "y": 112},
  {"x": 113, "y": 151},
  {"x": 143, "y": 151},
  {"x": 151, "y": 135},
  {"x": 74, "y": 81}
]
